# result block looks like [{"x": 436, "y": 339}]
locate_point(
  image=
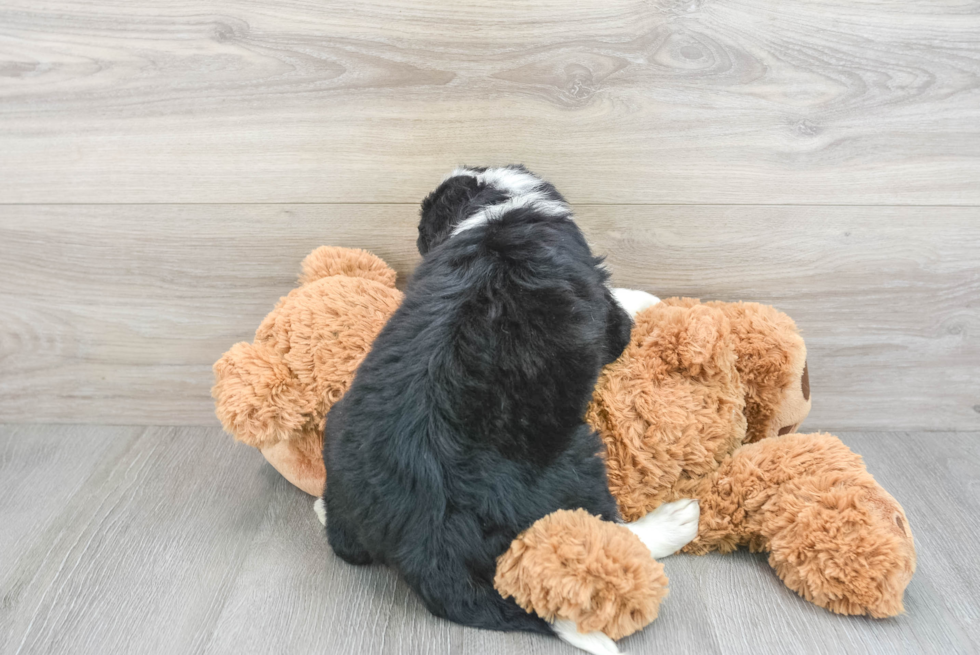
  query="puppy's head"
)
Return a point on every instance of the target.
[{"x": 469, "y": 197}]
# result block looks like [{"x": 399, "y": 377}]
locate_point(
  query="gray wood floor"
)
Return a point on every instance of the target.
[{"x": 176, "y": 540}]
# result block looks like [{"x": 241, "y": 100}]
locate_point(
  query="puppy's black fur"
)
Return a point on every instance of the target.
[{"x": 464, "y": 424}]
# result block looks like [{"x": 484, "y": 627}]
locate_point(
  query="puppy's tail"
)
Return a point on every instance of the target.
[{"x": 572, "y": 568}]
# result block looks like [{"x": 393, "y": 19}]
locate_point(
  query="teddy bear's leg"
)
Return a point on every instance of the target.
[
  {"x": 584, "y": 575},
  {"x": 668, "y": 528},
  {"x": 833, "y": 534}
]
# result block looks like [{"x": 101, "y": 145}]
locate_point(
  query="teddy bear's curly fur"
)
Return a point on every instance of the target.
[
  {"x": 592, "y": 572},
  {"x": 274, "y": 393},
  {"x": 704, "y": 403}
]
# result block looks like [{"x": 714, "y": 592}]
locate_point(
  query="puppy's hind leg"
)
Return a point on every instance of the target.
[{"x": 343, "y": 541}]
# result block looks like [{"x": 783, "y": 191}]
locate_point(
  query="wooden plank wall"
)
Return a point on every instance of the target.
[
  {"x": 114, "y": 313},
  {"x": 163, "y": 169}
]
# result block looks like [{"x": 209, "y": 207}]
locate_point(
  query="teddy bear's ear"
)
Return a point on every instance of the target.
[
  {"x": 351, "y": 262},
  {"x": 687, "y": 335},
  {"x": 257, "y": 398},
  {"x": 773, "y": 366}
]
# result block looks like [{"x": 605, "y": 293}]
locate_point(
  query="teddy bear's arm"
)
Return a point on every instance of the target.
[
  {"x": 834, "y": 535},
  {"x": 257, "y": 398}
]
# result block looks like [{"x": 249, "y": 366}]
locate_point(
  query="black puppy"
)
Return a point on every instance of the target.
[{"x": 464, "y": 424}]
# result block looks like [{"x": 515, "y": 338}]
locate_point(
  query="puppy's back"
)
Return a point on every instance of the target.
[{"x": 464, "y": 423}]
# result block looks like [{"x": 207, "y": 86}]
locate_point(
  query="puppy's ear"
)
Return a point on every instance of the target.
[
  {"x": 444, "y": 208},
  {"x": 619, "y": 326}
]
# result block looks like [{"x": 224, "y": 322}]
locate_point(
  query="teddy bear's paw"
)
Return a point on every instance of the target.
[
  {"x": 634, "y": 301},
  {"x": 595, "y": 642},
  {"x": 668, "y": 528},
  {"x": 321, "y": 511}
]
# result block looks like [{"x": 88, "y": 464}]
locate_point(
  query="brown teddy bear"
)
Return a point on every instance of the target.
[
  {"x": 704, "y": 403},
  {"x": 274, "y": 393}
]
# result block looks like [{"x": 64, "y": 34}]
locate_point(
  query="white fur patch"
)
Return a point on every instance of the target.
[
  {"x": 509, "y": 180},
  {"x": 597, "y": 643},
  {"x": 668, "y": 528},
  {"x": 519, "y": 185},
  {"x": 539, "y": 201},
  {"x": 634, "y": 301},
  {"x": 476, "y": 220},
  {"x": 321, "y": 511},
  {"x": 461, "y": 170}
]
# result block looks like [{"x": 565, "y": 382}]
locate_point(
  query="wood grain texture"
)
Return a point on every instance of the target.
[
  {"x": 141, "y": 555},
  {"x": 115, "y": 314},
  {"x": 619, "y": 101},
  {"x": 40, "y": 475},
  {"x": 168, "y": 540}
]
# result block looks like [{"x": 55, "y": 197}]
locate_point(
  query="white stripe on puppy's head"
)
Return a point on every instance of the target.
[
  {"x": 512, "y": 180},
  {"x": 535, "y": 199},
  {"x": 470, "y": 197},
  {"x": 522, "y": 188}
]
